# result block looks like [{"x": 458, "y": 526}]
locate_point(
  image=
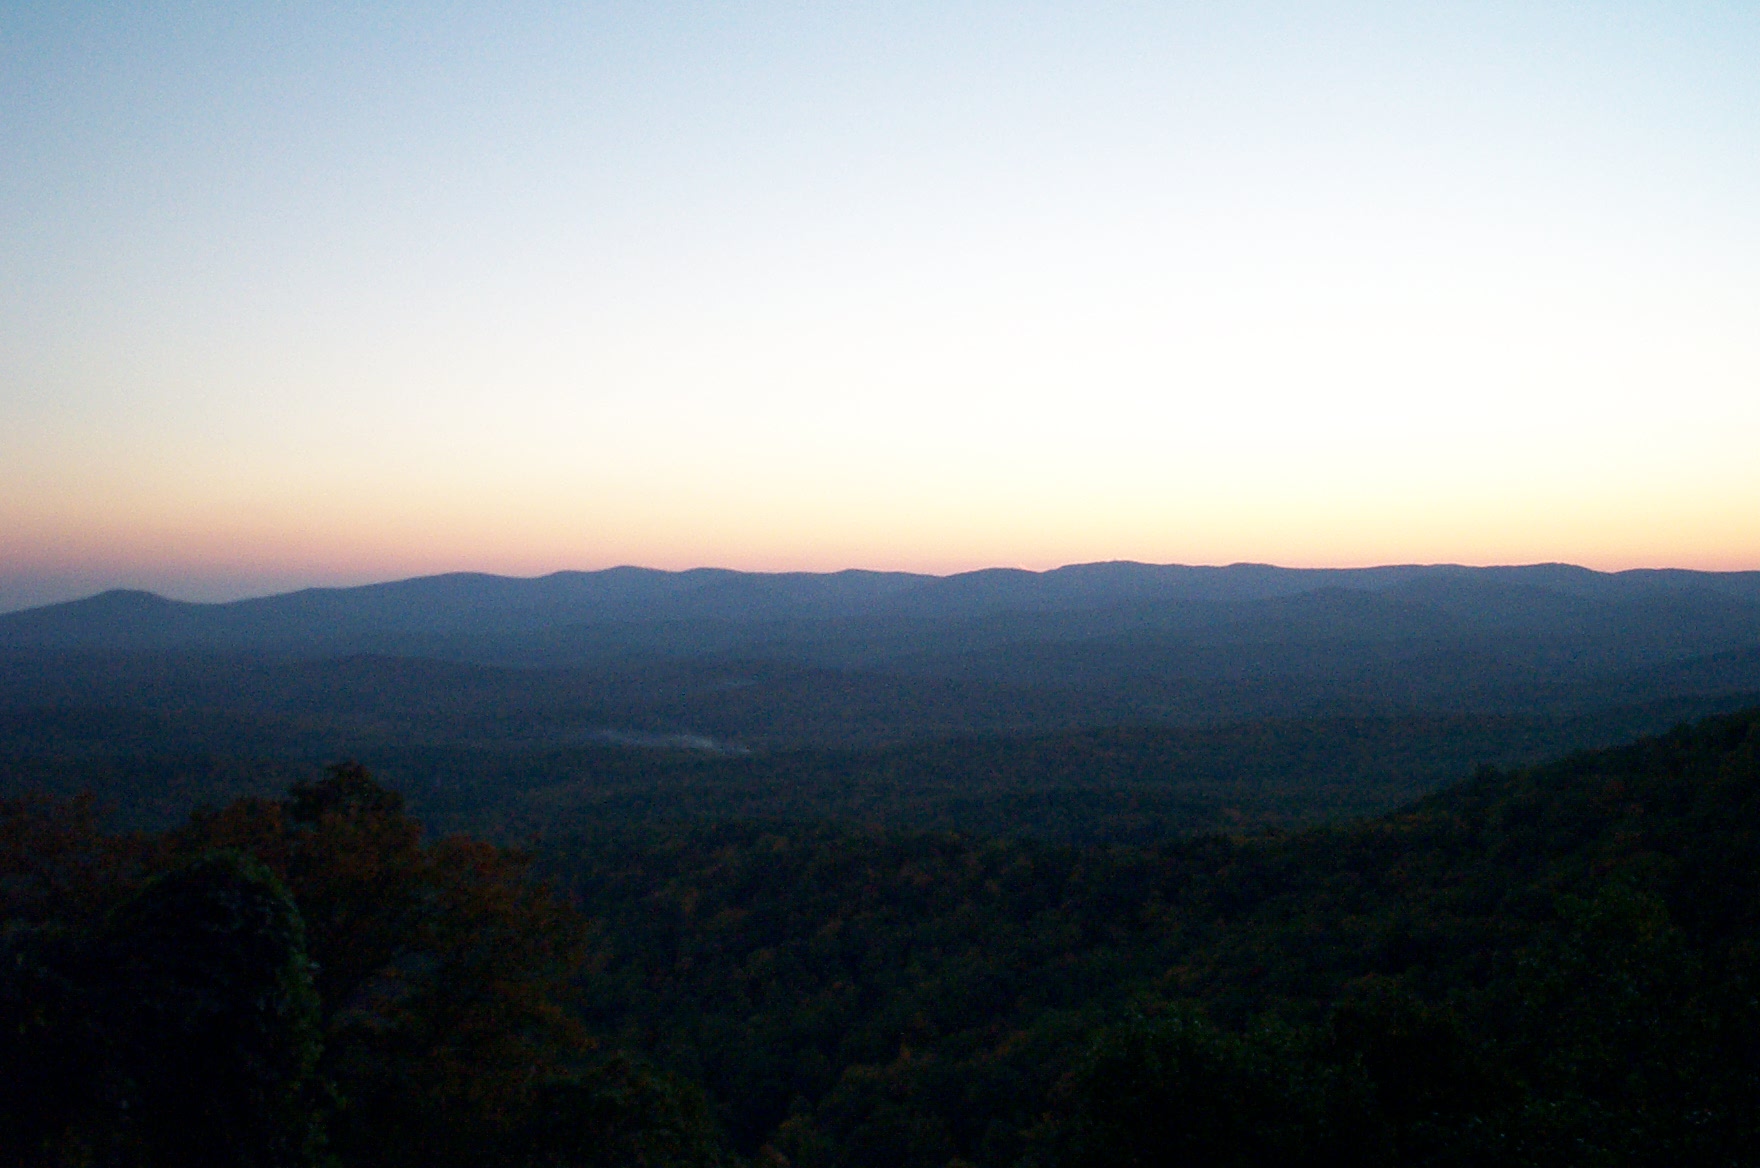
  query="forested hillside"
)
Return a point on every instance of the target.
[
  {"x": 1136, "y": 784},
  {"x": 1096, "y": 866},
  {"x": 303, "y": 981},
  {"x": 820, "y": 800},
  {"x": 1544, "y": 965},
  {"x": 1095, "y": 703},
  {"x": 864, "y": 659}
]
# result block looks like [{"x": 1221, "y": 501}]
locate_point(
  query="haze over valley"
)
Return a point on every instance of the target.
[
  {"x": 911, "y": 700},
  {"x": 960, "y": 585}
]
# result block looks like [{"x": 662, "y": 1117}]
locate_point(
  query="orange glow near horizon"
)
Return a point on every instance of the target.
[
  {"x": 234, "y": 552},
  {"x": 1170, "y": 283}
]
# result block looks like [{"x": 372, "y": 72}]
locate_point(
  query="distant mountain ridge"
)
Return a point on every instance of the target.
[
  {"x": 448, "y": 613},
  {"x": 994, "y": 698},
  {"x": 868, "y": 658}
]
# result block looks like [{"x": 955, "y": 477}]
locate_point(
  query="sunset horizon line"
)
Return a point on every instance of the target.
[{"x": 169, "y": 594}]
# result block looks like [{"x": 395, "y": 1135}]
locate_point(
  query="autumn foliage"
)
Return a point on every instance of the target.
[{"x": 439, "y": 976}]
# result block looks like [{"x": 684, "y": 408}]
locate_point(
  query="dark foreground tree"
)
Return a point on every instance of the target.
[
  {"x": 175, "y": 1018},
  {"x": 183, "y": 1030},
  {"x": 215, "y": 1019},
  {"x": 445, "y": 973}
]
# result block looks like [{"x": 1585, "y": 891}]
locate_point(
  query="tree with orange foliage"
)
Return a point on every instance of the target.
[
  {"x": 440, "y": 1034},
  {"x": 444, "y": 971}
]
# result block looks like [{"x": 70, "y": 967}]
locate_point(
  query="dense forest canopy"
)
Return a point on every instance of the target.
[
  {"x": 1111, "y": 865},
  {"x": 283, "y": 982},
  {"x": 1545, "y": 965}
]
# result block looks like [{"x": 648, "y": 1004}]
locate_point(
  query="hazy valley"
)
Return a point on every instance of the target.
[{"x": 877, "y": 869}]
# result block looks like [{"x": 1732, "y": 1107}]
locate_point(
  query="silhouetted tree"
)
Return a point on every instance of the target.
[
  {"x": 444, "y": 971},
  {"x": 213, "y": 1019}
]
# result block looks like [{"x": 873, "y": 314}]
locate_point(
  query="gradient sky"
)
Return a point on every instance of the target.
[{"x": 301, "y": 294}]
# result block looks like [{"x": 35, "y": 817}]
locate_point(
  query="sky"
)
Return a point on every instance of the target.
[{"x": 321, "y": 294}]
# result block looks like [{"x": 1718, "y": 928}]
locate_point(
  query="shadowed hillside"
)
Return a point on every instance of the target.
[
  {"x": 1551, "y": 965},
  {"x": 999, "y": 701}
]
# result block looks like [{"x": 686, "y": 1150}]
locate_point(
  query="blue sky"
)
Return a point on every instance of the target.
[{"x": 315, "y": 294}]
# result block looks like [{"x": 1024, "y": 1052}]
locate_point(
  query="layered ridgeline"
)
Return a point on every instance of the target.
[
  {"x": 1103, "y": 701},
  {"x": 1553, "y": 965},
  {"x": 1408, "y": 628}
]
